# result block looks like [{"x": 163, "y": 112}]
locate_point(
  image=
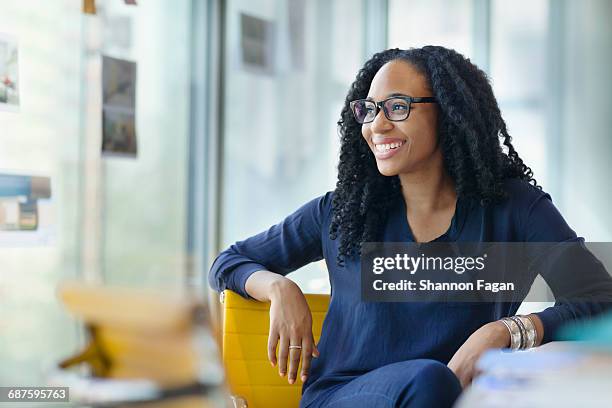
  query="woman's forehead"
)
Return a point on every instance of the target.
[{"x": 398, "y": 77}]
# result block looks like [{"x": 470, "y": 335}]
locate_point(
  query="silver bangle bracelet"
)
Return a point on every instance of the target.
[
  {"x": 515, "y": 332},
  {"x": 531, "y": 330},
  {"x": 523, "y": 331},
  {"x": 535, "y": 332}
]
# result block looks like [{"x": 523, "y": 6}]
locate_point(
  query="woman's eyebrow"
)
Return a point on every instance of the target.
[
  {"x": 391, "y": 95},
  {"x": 396, "y": 94}
]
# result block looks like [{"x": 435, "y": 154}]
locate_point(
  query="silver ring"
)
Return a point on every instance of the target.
[{"x": 295, "y": 347}]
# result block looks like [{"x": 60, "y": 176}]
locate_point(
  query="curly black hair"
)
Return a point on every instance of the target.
[{"x": 470, "y": 129}]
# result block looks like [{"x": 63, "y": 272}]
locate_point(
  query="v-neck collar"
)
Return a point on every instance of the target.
[{"x": 453, "y": 232}]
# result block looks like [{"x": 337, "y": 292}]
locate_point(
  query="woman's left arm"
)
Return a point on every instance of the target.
[
  {"x": 582, "y": 289},
  {"x": 581, "y": 284}
]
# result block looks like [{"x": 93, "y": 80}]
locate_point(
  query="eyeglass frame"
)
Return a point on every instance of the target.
[{"x": 381, "y": 106}]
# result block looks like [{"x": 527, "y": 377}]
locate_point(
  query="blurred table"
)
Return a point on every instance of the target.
[
  {"x": 558, "y": 374},
  {"x": 142, "y": 345}
]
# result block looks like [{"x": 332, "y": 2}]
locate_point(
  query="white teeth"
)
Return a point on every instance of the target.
[{"x": 387, "y": 146}]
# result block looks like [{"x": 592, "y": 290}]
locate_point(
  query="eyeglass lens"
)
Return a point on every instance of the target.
[{"x": 396, "y": 109}]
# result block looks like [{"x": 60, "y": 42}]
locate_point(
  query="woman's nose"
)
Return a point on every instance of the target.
[{"x": 380, "y": 123}]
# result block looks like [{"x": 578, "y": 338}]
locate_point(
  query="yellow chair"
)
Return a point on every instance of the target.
[{"x": 245, "y": 357}]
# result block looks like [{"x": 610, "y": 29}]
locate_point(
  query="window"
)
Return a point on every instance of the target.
[
  {"x": 281, "y": 105},
  {"x": 518, "y": 72},
  {"x": 417, "y": 23}
]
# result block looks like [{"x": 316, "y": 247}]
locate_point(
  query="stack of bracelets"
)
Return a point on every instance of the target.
[{"x": 522, "y": 330}]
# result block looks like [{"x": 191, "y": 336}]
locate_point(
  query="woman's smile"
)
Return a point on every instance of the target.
[{"x": 385, "y": 148}]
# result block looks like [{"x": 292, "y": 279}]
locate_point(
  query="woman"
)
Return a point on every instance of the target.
[{"x": 421, "y": 160}]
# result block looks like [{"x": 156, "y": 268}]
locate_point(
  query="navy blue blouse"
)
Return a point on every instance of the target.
[{"x": 358, "y": 336}]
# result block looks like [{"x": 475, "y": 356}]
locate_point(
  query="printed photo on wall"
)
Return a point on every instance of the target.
[
  {"x": 26, "y": 212},
  {"x": 257, "y": 46},
  {"x": 118, "y": 107},
  {"x": 9, "y": 73}
]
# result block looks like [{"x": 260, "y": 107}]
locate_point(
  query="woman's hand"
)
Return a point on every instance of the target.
[
  {"x": 493, "y": 335},
  {"x": 290, "y": 324}
]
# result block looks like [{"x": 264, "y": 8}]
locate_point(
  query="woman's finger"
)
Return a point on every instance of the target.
[
  {"x": 283, "y": 352},
  {"x": 272, "y": 343},
  {"x": 307, "y": 350},
  {"x": 295, "y": 352}
]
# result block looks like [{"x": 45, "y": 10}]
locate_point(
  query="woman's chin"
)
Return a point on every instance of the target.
[{"x": 387, "y": 170}]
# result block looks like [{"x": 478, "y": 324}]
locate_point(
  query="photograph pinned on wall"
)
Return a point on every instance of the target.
[
  {"x": 119, "y": 133},
  {"x": 257, "y": 45},
  {"x": 119, "y": 107},
  {"x": 26, "y": 212},
  {"x": 9, "y": 73}
]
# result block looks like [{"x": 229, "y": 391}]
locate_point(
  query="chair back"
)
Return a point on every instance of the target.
[{"x": 245, "y": 357}]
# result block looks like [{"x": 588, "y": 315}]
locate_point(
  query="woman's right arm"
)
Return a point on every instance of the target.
[
  {"x": 290, "y": 322},
  {"x": 256, "y": 268},
  {"x": 283, "y": 248}
]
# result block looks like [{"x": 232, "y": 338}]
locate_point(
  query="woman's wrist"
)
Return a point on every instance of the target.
[
  {"x": 266, "y": 286},
  {"x": 279, "y": 288},
  {"x": 501, "y": 334}
]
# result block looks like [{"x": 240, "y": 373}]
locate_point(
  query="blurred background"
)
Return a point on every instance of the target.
[{"x": 236, "y": 110}]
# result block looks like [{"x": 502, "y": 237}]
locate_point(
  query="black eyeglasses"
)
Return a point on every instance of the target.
[{"x": 396, "y": 108}]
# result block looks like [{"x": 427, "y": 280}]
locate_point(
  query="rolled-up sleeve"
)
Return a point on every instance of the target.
[{"x": 283, "y": 248}]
